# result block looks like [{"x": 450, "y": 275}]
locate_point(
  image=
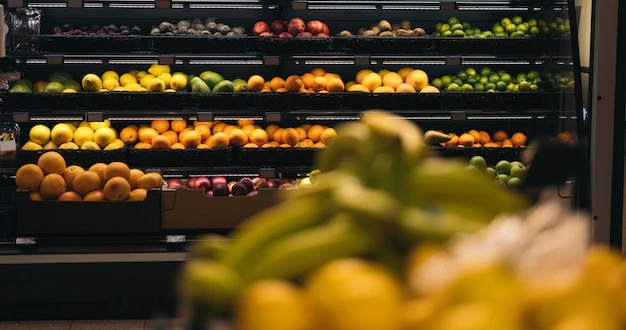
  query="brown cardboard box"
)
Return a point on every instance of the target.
[{"x": 191, "y": 209}]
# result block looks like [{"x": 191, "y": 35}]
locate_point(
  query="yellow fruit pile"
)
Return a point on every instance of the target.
[
  {"x": 477, "y": 139},
  {"x": 406, "y": 80},
  {"x": 73, "y": 136},
  {"x": 178, "y": 134},
  {"x": 50, "y": 179},
  {"x": 158, "y": 78}
]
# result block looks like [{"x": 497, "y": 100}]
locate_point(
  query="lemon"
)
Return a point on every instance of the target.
[
  {"x": 84, "y": 123},
  {"x": 133, "y": 87},
  {"x": 61, "y": 133},
  {"x": 39, "y": 134},
  {"x": 69, "y": 91},
  {"x": 120, "y": 89},
  {"x": 50, "y": 146},
  {"x": 92, "y": 83},
  {"x": 134, "y": 72},
  {"x": 178, "y": 82},
  {"x": 103, "y": 90},
  {"x": 180, "y": 74},
  {"x": 140, "y": 74},
  {"x": 104, "y": 136},
  {"x": 169, "y": 90},
  {"x": 404, "y": 72},
  {"x": 119, "y": 143},
  {"x": 69, "y": 146},
  {"x": 83, "y": 135},
  {"x": 110, "y": 74},
  {"x": 383, "y": 72},
  {"x": 362, "y": 74},
  {"x": 157, "y": 69},
  {"x": 30, "y": 145},
  {"x": 156, "y": 85},
  {"x": 72, "y": 126},
  {"x": 372, "y": 81},
  {"x": 127, "y": 79},
  {"x": 90, "y": 145},
  {"x": 112, "y": 146},
  {"x": 145, "y": 80},
  {"x": 142, "y": 89},
  {"x": 95, "y": 125},
  {"x": 110, "y": 84},
  {"x": 166, "y": 77}
]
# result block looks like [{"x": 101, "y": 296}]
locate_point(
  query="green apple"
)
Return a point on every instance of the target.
[
  {"x": 479, "y": 163},
  {"x": 502, "y": 177},
  {"x": 516, "y": 163},
  {"x": 500, "y": 182},
  {"x": 518, "y": 172},
  {"x": 491, "y": 173},
  {"x": 514, "y": 182},
  {"x": 503, "y": 167},
  {"x": 471, "y": 168}
]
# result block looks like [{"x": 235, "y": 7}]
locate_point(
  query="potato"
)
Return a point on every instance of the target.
[
  {"x": 384, "y": 26},
  {"x": 405, "y": 25},
  {"x": 345, "y": 33},
  {"x": 386, "y": 34},
  {"x": 369, "y": 33},
  {"x": 405, "y": 33},
  {"x": 419, "y": 32},
  {"x": 361, "y": 31},
  {"x": 376, "y": 30}
]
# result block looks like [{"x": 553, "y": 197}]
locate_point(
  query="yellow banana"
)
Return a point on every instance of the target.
[
  {"x": 388, "y": 125},
  {"x": 364, "y": 203}
]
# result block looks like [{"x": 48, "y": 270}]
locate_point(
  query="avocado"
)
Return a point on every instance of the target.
[
  {"x": 59, "y": 76},
  {"x": 20, "y": 89},
  {"x": 24, "y": 82},
  {"x": 199, "y": 86},
  {"x": 54, "y": 87},
  {"x": 224, "y": 86},
  {"x": 212, "y": 79}
]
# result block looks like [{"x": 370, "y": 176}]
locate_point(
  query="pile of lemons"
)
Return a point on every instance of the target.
[
  {"x": 158, "y": 78},
  {"x": 74, "y": 136}
]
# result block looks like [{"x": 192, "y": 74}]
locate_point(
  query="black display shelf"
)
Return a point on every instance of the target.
[
  {"x": 82, "y": 158},
  {"x": 276, "y": 156},
  {"x": 491, "y": 155},
  {"x": 155, "y": 158}
]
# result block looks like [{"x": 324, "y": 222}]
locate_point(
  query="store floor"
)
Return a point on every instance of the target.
[{"x": 90, "y": 325}]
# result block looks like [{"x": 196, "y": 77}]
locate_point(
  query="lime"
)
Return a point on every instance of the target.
[
  {"x": 506, "y": 78},
  {"x": 453, "y": 87},
  {"x": 462, "y": 75},
  {"x": 509, "y": 87},
  {"x": 500, "y": 72},
  {"x": 500, "y": 35},
  {"x": 562, "y": 89},
  {"x": 466, "y": 25},
  {"x": 505, "y": 21},
  {"x": 444, "y": 28},
  {"x": 532, "y": 22},
  {"x": 546, "y": 74},
  {"x": 490, "y": 85},
  {"x": 538, "y": 82},
  {"x": 483, "y": 80},
  {"x": 510, "y": 28},
  {"x": 494, "y": 78},
  {"x": 517, "y": 20},
  {"x": 501, "y": 86},
  {"x": 472, "y": 81},
  {"x": 486, "y": 72},
  {"x": 438, "y": 27},
  {"x": 447, "y": 34},
  {"x": 522, "y": 28},
  {"x": 571, "y": 86},
  {"x": 456, "y": 26},
  {"x": 467, "y": 88},
  {"x": 479, "y": 87},
  {"x": 526, "y": 25},
  {"x": 554, "y": 27},
  {"x": 534, "y": 30},
  {"x": 496, "y": 25},
  {"x": 437, "y": 34},
  {"x": 564, "y": 29},
  {"x": 516, "y": 88},
  {"x": 534, "y": 88},
  {"x": 557, "y": 77},
  {"x": 521, "y": 77},
  {"x": 453, "y": 20},
  {"x": 518, "y": 34},
  {"x": 458, "y": 81},
  {"x": 471, "y": 72},
  {"x": 532, "y": 75},
  {"x": 559, "y": 20},
  {"x": 469, "y": 32},
  {"x": 541, "y": 23},
  {"x": 566, "y": 22},
  {"x": 544, "y": 30},
  {"x": 459, "y": 33},
  {"x": 488, "y": 34},
  {"x": 437, "y": 82},
  {"x": 477, "y": 31},
  {"x": 524, "y": 86},
  {"x": 491, "y": 90},
  {"x": 446, "y": 80},
  {"x": 498, "y": 29}
]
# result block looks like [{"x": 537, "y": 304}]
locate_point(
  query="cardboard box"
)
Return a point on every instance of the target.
[{"x": 191, "y": 209}]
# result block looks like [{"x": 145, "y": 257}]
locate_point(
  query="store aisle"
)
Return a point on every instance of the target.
[{"x": 90, "y": 325}]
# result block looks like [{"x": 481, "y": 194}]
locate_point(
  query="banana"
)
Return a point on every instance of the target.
[
  {"x": 349, "y": 146},
  {"x": 297, "y": 254},
  {"x": 388, "y": 126},
  {"x": 434, "y": 138},
  {"x": 418, "y": 225},
  {"x": 364, "y": 203},
  {"x": 269, "y": 225},
  {"x": 210, "y": 246}
]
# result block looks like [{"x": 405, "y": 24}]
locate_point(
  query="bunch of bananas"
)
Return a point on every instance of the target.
[{"x": 378, "y": 195}]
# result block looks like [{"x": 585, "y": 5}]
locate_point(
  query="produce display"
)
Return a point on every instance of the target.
[
  {"x": 488, "y": 80},
  {"x": 386, "y": 29},
  {"x": 197, "y": 26},
  {"x": 506, "y": 28},
  {"x": 218, "y": 186},
  {"x": 474, "y": 138},
  {"x": 294, "y": 28},
  {"x": 380, "y": 201},
  {"x": 504, "y": 172},
  {"x": 52, "y": 179},
  {"x": 73, "y": 136},
  {"x": 97, "y": 30}
]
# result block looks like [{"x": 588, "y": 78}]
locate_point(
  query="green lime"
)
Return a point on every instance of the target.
[
  {"x": 490, "y": 85},
  {"x": 538, "y": 82},
  {"x": 453, "y": 20},
  {"x": 510, "y": 28},
  {"x": 521, "y": 77},
  {"x": 477, "y": 31},
  {"x": 459, "y": 33},
  {"x": 470, "y": 71},
  {"x": 554, "y": 27},
  {"x": 467, "y": 88},
  {"x": 494, "y": 78},
  {"x": 496, "y": 25},
  {"x": 437, "y": 34},
  {"x": 506, "y": 78},
  {"x": 453, "y": 87},
  {"x": 500, "y": 72},
  {"x": 482, "y": 36},
  {"x": 562, "y": 89},
  {"x": 458, "y": 81},
  {"x": 444, "y": 28},
  {"x": 498, "y": 29},
  {"x": 510, "y": 87},
  {"x": 472, "y": 81},
  {"x": 534, "y": 30},
  {"x": 462, "y": 75},
  {"x": 518, "y": 34},
  {"x": 559, "y": 20},
  {"x": 438, "y": 27},
  {"x": 524, "y": 86},
  {"x": 517, "y": 20},
  {"x": 447, "y": 34},
  {"x": 501, "y": 86},
  {"x": 516, "y": 88},
  {"x": 541, "y": 23},
  {"x": 446, "y": 80},
  {"x": 456, "y": 26},
  {"x": 557, "y": 76},
  {"x": 491, "y": 90},
  {"x": 466, "y": 26},
  {"x": 564, "y": 29},
  {"x": 488, "y": 34},
  {"x": 532, "y": 22},
  {"x": 437, "y": 82},
  {"x": 486, "y": 72},
  {"x": 544, "y": 30},
  {"x": 479, "y": 87},
  {"x": 534, "y": 88},
  {"x": 526, "y": 25},
  {"x": 505, "y": 21},
  {"x": 532, "y": 75},
  {"x": 546, "y": 74},
  {"x": 469, "y": 32},
  {"x": 500, "y": 35},
  {"x": 483, "y": 80},
  {"x": 522, "y": 28}
]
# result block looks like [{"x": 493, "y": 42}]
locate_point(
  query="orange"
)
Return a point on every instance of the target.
[
  {"x": 335, "y": 85},
  {"x": 247, "y": 129},
  {"x": 267, "y": 85},
  {"x": 205, "y": 131},
  {"x": 337, "y": 76},
  {"x": 143, "y": 145},
  {"x": 466, "y": 140},
  {"x": 358, "y": 88},
  {"x": 161, "y": 142},
  {"x": 301, "y": 133},
  {"x": 160, "y": 126},
  {"x": 70, "y": 174},
  {"x": 308, "y": 141},
  {"x": 138, "y": 195},
  {"x": 405, "y": 88},
  {"x": 172, "y": 136},
  {"x": 278, "y": 135},
  {"x": 229, "y": 128},
  {"x": 329, "y": 76},
  {"x": 267, "y": 90},
  {"x": 275, "y": 144},
  {"x": 319, "y": 145},
  {"x": 490, "y": 145},
  {"x": 70, "y": 196},
  {"x": 267, "y": 145},
  {"x": 507, "y": 144},
  {"x": 319, "y": 83},
  {"x": 307, "y": 80},
  {"x": 133, "y": 127},
  {"x": 178, "y": 125},
  {"x": 150, "y": 181},
  {"x": 52, "y": 186},
  {"x": 302, "y": 145},
  {"x": 404, "y": 72},
  {"x": 218, "y": 127},
  {"x": 178, "y": 146},
  {"x": 250, "y": 145},
  {"x": 430, "y": 89},
  {"x": 362, "y": 74},
  {"x": 128, "y": 135},
  {"x": 318, "y": 72},
  {"x": 315, "y": 132},
  {"x": 306, "y": 127},
  {"x": 135, "y": 174},
  {"x": 475, "y": 134},
  {"x": 203, "y": 146},
  {"x": 256, "y": 83},
  {"x": 276, "y": 83},
  {"x": 191, "y": 139},
  {"x": 219, "y": 140},
  {"x": 310, "y": 90},
  {"x": 294, "y": 83},
  {"x": 500, "y": 136},
  {"x": 281, "y": 90},
  {"x": 182, "y": 134},
  {"x": 392, "y": 80},
  {"x": 285, "y": 145},
  {"x": 484, "y": 137},
  {"x": 350, "y": 83},
  {"x": 371, "y": 81},
  {"x": 237, "y": 137},
  {"x": 244, "y": 122},
  {"x": 383, "y": 72},
  {"x": 117, "y": 169},
  {"x": 418, "y": 79},
  {"x": 51, "y": 162},
  {"x": 116, "y": 189},
  {"x": 271, "y": 128},
  {"x": 259, "y": 137},
  {"x": 99, "y": 169},
  {"x": 518, "y": 139},
  {"x": 29, "y": 177},
  {"x": 147, "y": 134},
  {"x": 327, "y": 135},
  {"x": 94, "y": 196},
  {"x": 291, "y": 136},
  {"x": 205, "y": 123},
  {"x": 477, "y": 145},
  {"x": 384, "y": 89},
  {"x": 453, "y": 141}
]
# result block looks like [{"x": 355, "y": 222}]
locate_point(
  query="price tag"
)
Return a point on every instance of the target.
[
  {"x": 166, "y": 60},
  {"x": 163, "y": 4},
  {"x": 300, "y": 5},
  {"x": 54, "y": 59},
  {"x": 454, "y": 61},
  {"x": 458, "y": 115},
  {"x": 447, "y": 5},
  {"x": 97, "y": 117},
  {"x": 21, "y": 117},
  {"x": 175, "y": 239},
  {"x": 205, "y": 116},
  {"x": 273, "y": 116},
  {"x": 268, "y": 173},
  {"x": 363, "y": 60},
  {"x": 271, "y": 61},
  {"x": 74, "y": 3},
  {"x": 15, "y": 3}
]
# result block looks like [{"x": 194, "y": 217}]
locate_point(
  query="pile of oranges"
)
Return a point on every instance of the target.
[
  {"x": 406, "y": 80},
  {"x": 179, "y": 134},
  {"x": 474, "y": 138},
  {"x": 52, "y": 179}
]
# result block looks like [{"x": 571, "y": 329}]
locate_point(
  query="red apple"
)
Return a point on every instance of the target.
[
  {"x": 322, "y": 35},
  {"x": 218, "y": 179},
  {"x": 209, "y": 193},
  {"x": 230, "y": 185},
  {"x": 239, "y": 189},
  {"x": 174, "y": 183},
  {"x": 296, "y": 26},
  {"x": 304, "y": 35},
  {"x": 266, "y": 34},
  {"x": 283, "y": 181},
  {"x": 326, "y": 30},
  {"x": 257, "y": 179},
  {"x": 203, "y": 183},
  {"x": 278, "y": 27},
  {"x": 191, "y": 183},
  {"x": 220, "y": 190},
  {"x": 285, "y": 35},
  {"x": 285, "y": 186},
  {"x": 252, "y": 193},
  {"x": 245, "y": 178},
  {"x": 249, "y": 185},
  {"x": 315, "y": 27},
  {"x": 261, "y": 185},
  {"x": 260, "y": 27},
  {"x": 273, "y": 183}
]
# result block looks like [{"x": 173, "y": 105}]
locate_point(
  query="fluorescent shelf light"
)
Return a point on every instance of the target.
[
  {"x": 499, "y": 117},
  {"x": 57, "y": 118},
  {"x": 133, "y": 62},
  {"x": 68, "y": 61},
  {"x": 231, "y": 118},
  {"x": 422, "y": 62},
  {"x": 226, "y": 62},
  {"x": 48, "y": 5},
  {"x": 329, "y": 62},
  {"x": 429, "y": 118},
  {"x": 217, "y": 6},
  {"x": 93, "y": 5},
  {"x": 409, "y": 7},
  {"x": 492, "y": 8},
  {"x": 339, "y": 7},
  {"x": 143, "y": 118},
  {"x": 131, "y": 5},
  {"x": 332, "y": 118},
  {"x": 34, "y": 61}
]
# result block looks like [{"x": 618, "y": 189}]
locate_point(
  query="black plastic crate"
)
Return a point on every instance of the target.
[
  {"x": 82, "y": 158},
  {"x": 276, "y": 156},
  {"x": 182, "y": 44},
  {"x": 491, "y": 155},
  {"x": 49, "y": 218},
  {"x": 177, "y": 158},
  {"x": 281, "y": 46},
  {"x": 103, "y": 44},
  {"x": 220, "y": 101}
]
